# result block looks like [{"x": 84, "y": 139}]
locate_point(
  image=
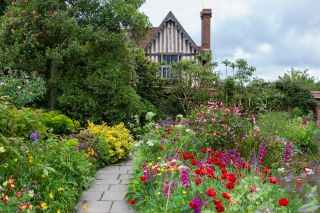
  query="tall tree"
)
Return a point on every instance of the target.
[{"x": 81, "y": 47}]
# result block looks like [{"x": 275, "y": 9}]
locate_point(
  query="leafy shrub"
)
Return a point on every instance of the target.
[
  {"x": 18, "y": 122},
  {"x": 59, "y": 123},
  {"x": 301, "y": 132},
  {"x": 95, "y": 147},
  {"x": 23, "y": 90},
  {"x": 118, "y": 137},
  {"x": 47, "y": 172},
  {"x": 220, "y": 126},
  {"x": 273, "y": 124}
]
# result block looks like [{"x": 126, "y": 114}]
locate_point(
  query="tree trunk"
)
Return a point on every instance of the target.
[{"x": 53, "y": 91}]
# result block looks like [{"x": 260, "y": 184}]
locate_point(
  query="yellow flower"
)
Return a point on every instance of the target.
[
  {"x": 58, "y": 211},
  {"x": 51, "y": 195},
  {"x": 184, "y": 192},
  {"x": 30, "y": 206},
  {"x": 60, "y": 189},
  {"x": 44, "y": 206},
  {"x": 85, "y": 207},
  {"x": 15, "y": 160},
  {"x": 159, "y": 174},
  {"x": 159, "y": 158},
  {"x": 30, "y": 159},
  {"x": 158, "y": 193}
]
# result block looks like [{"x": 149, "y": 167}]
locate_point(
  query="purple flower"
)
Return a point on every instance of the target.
[
  {"x": 287, "y": 152},
  {"x": 75, "y": 148},
  {"x": 35, "y": 142},
  {"x": 197, "y": 202},
  {"x": 262, "y": 153},
  {"x": 82, "y": 145},
  {"x": 185, "y": 178},
  {"x": 34, "y": 135},
  {"x": 168, "y": 189}
]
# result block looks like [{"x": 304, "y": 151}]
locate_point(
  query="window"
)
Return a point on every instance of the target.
[{"x": 167, "y": 60}]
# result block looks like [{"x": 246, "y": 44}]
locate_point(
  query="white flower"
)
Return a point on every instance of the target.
[
  {"x": 2, "y": 150},
  {"x": 19, "y": 87},
  {"x": 281, "y": 170},
  {"x": 309, "y": 171},
  {"x": 150, "y": 143}
]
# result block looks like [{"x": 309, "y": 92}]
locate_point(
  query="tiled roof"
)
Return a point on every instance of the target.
[{"x": 147, "y": 38}]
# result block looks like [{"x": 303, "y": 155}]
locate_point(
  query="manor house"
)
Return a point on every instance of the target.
[{"x": 170, "y": 42}]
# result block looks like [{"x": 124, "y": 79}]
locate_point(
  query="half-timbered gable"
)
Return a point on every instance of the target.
[{"x": 170, "y": 43}]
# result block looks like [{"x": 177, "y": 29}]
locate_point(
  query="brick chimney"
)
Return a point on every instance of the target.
[{"x": 206, "y": 15}]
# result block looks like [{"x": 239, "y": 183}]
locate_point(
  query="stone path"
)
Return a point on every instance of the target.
[{"x": 106, "y": 194}]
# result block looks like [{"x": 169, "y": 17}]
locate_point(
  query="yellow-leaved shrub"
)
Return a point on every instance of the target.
[{"x": 118, "y": 137}]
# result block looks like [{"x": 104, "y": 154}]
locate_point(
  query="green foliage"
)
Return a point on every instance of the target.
[
  {"x": 81, "y": 48},
  {"x": 273, "y": 124},
  {"x": 19, "y": 122},
  {"x": 219, "y": 126},
  {"x": 296, "y": 95},
  {"x": 301, "y": 132},
  {"x": 49, "y": 171},
  {"x": 59, "y": 123},
  {"x": 87, "y": 142},
  {"x": 22, "y": 90},
  {"x": 118, "y": 137}
]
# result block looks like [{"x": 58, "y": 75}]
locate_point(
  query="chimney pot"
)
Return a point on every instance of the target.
[{"x": 206, "y": 16}]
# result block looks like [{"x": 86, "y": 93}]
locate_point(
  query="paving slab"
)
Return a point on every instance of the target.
[
  {"x": 107, "y": 176},
  {"x": 91, "y": 196},
  {"x": 107, "y": 192},
  {"x": 98, "y": 188},
  {"x": 120, "y": 207},
  {"x": 94, "y": 206}
]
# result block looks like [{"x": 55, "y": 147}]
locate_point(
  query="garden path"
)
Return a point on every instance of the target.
[{"x": 106, "y": 194}]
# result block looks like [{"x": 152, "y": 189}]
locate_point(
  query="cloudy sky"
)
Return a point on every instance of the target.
[{"x": 272, "y": 35}]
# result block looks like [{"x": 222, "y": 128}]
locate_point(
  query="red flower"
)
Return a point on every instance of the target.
[
  {"x": 217, "y": 202},
  {"x": 283, "y": 201},
  {"x": 253, "y": 188},
  {"x": 273, "y": 180},
  {"x": 265, "y": 170},
  {"x": 224, "y": 171},
  {"x": 161, "y": 148},
  {"x": 193, "y": 162},
  {"x": 4, "y": 199},
  {"x": 231, "y": 177},
  {"x": 191, "y": 156},
  {"x": 197, "y": 181},
  {"x": 192, "y": 204},
  {"x": 168, "y": 131},
  {"x": 230, "y": 185},
  {"x": 203, "y": 150},
  {"x": 18, "y": 195},
  {"x": 298, "y": 184},
  {"x": 226, "y": 195},
  {"x": 163, "y": 136},
  {"x": 132, "y": 201},
  {"x": 211, "y": 192},
  {"x": 219, "y": 208},
  {"x": 143, "y": 178}
]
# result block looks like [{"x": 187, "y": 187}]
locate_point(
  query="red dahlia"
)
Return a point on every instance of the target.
[
  {"x": 283, "y": 201},
  {"x": 219, "y": 208},
  {"x": 230, "y": 185},
  {"x": 132, "y": 201},
  {"x": 217, "y": 202},
  {"x": 226, "y": 195},
  {"x": 143, "y": 178},
  {"x": 197, "y": 181},
  {"x": 211, "y": 192}
]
